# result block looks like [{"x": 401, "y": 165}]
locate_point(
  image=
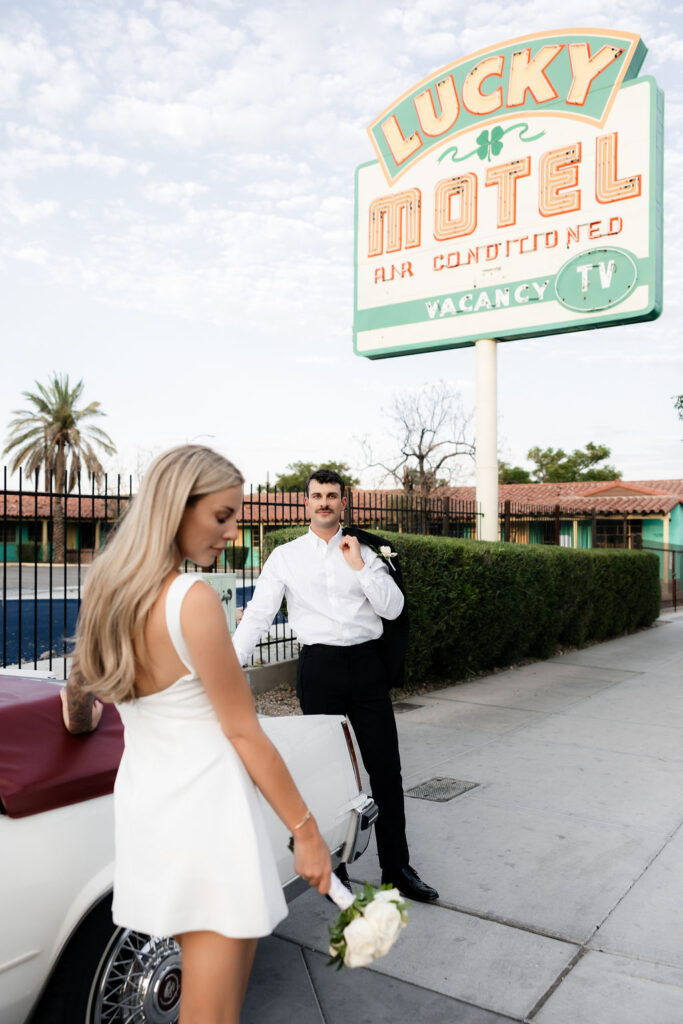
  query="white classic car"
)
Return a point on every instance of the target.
[{"x": 62, "y": 960}]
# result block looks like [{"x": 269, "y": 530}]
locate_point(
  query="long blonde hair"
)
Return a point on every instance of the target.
[{"x": 126, "y": 578}]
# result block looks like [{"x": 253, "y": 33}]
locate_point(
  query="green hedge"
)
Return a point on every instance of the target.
[
  {"x": 28, "y": 551},
  {"x": 236, "y": 557},
  {"x": 476, "y": 605}
]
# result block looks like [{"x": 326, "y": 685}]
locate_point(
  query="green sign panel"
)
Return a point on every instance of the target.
[
  {"x": 517, "y": 193},
  {"x": 596, "y": 280}
]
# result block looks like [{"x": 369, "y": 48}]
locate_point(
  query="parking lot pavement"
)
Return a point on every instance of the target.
[{"x": 560, "y": 872}]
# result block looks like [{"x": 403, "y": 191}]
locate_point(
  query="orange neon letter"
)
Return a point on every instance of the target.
[
  {"x": 434, "y": 124},
  {"x": 474, "y": 100},
  {"x": 585, "y": 69},
  {"x": 608, "y": 187},
  {"x": 445, "y": 225},
  {"x": 529, "y": 76},
  {"x": 505, "y": 177},
  {"x": 559, "y": 171},
  {"x": 401, "y": 148},
  {"x": 387, "y": 214}
]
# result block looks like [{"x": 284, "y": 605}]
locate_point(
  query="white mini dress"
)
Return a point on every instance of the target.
[{"x": 191, "y": 848}]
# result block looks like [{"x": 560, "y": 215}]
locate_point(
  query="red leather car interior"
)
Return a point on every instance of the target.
[{"x": 42, "y": 766}]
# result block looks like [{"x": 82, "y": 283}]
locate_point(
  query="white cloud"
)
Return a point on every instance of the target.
[
  {"x": 269, "y": 164},
  {"x": 66, "y": 89},
  {"x": 23, "y": 56},
  {"x": 23, "y": 210},
  {"x": 180, "y": 123},
  {"x": 141, "y": 30},
  {"x": 32, "y": 254},
  {"x": 33, "y": 136},
  {"x": 317, "y": 360},
  {"x": 187, "y": 169},
  {"x": 173, "y": 191},
  {"x": 647, "y": 357},
  {"x": 23, "y": 162}
]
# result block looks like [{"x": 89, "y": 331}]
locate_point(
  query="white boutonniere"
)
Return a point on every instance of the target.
[{"x": 385, "y": 553}]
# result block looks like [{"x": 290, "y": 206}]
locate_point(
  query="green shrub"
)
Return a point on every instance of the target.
[
  {"x": 28, "y": 551},
  {"x": 236, "y": 557},
  {"x": 476, "y": 605},
  {"x": 276, "y": 537}
]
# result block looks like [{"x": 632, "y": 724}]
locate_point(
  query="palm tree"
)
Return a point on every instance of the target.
[{"x": 50, "y": 436}]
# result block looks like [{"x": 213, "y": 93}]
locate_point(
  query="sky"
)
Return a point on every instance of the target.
[{"x": 177, "y": 230}]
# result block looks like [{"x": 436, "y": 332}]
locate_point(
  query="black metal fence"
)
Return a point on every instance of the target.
[
  {"x": 671, "y": 568},
  {"x": 381, "y": 511},
  {"x": 41, "y": 578},
  {"x": 42, "y": 566}
]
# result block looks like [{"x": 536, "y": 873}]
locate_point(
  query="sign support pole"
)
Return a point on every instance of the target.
[{"x": 487, "y": 437}]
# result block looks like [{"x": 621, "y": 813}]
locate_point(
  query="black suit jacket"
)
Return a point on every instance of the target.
[{"x": 393, "y": 642}]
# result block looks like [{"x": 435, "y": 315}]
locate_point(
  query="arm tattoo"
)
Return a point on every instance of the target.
[{"x": 80, "y": 703}]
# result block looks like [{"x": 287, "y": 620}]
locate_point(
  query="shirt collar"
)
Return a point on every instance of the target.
[{"x": 318, "y": 542}]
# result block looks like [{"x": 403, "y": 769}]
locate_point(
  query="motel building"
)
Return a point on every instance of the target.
[
  {"x": 637, "y": 514},
  {"x": 26, "y": 524}
]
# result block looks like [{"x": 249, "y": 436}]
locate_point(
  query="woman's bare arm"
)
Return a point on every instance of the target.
[{"x": 206, "y": 632}]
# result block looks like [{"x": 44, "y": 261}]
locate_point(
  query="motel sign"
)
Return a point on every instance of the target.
[{"x": 516, "y": 193}]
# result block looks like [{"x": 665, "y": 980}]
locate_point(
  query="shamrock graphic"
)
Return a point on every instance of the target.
[{"x": 489, "y": 145}]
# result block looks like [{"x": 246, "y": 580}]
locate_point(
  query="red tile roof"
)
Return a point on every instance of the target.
[
  {"x": 644, "y": 497},
  {"x": 40, "y": 507},
  {"x": 635, "y": 497}
]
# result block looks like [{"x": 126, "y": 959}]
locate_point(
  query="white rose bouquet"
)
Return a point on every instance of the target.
[{"x": 368, "y": 925}]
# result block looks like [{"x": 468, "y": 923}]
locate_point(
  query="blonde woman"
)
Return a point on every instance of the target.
[{"x": 193, "y": 857}]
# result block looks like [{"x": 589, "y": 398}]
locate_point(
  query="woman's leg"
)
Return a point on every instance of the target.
[{"x": 215, "y": 977}]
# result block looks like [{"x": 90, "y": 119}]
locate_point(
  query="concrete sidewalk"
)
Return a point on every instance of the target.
[{"x": 561, "y": 873}]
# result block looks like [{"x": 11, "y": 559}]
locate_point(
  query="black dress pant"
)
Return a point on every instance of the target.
[{"x": 352, "y": 681}]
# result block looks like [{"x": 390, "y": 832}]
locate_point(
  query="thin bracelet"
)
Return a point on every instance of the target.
[{"x": 303, "y": 821}]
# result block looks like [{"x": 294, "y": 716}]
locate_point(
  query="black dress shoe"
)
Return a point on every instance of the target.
[{"x": 409, "y": 884}]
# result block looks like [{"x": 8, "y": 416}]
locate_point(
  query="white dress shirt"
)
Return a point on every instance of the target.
[{"x": 328, "y": 602}]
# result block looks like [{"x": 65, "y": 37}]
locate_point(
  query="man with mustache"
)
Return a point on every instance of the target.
[{"x": 338, "y": 590}]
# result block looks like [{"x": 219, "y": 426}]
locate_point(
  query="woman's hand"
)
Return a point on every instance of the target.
[
  {"x": 312, "y": 857},
  {"x": 80, "y": 711}
]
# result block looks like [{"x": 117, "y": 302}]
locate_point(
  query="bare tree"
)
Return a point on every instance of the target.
[{"x": 432, "y": 432}]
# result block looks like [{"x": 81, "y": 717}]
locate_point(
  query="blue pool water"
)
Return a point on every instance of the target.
[{"x": 33, "y": 626}]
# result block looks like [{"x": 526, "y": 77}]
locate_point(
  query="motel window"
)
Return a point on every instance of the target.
[
  {"x": 86, "y": 535},
  {"x": 619, "y": 533},
  {"x": 33, "y": 531}
]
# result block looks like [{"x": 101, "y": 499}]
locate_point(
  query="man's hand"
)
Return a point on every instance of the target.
[{"x": 350, "y": 549}]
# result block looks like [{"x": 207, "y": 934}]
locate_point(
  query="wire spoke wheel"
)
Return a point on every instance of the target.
[{"x": 138, "y": 981}]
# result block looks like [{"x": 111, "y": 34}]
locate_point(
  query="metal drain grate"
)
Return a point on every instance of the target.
[
  {"x": 441, "y": 789},
  {"x": 404, "y": 705}
]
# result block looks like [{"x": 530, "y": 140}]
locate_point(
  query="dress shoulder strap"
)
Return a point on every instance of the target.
[{"x": 175, "y": 595}]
